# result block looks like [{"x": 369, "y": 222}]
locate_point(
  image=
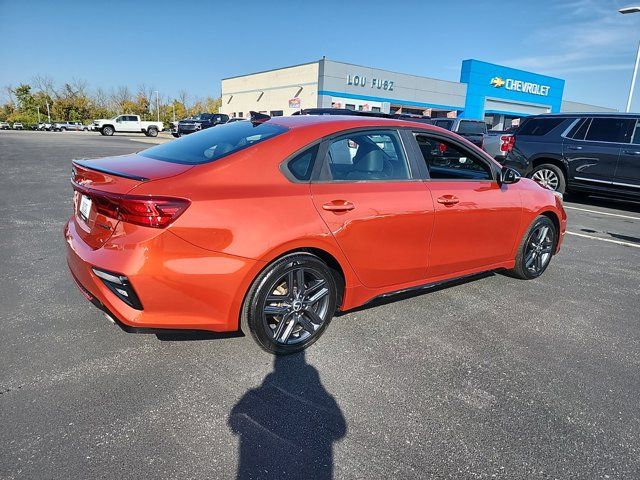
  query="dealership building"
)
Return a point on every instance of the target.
[{"x": 494, "y": 93}]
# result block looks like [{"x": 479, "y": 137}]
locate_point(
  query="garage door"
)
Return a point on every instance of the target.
[{"x": 516, "y": 107}]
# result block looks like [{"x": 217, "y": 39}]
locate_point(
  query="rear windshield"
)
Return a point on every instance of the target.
[
  {"x": 447, "y": 124},
  {"x": 213, "y": 143},
  {"x": 469, "y": 127}
]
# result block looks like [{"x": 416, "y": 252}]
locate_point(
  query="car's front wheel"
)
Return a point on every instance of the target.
[
  {"x": 536, "y": 249},
  {"x": 550, "y": 176},
  {"x": 291, "y": 303}
]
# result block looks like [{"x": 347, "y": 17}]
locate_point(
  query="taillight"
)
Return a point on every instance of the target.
[
  {"x": 508, "y": 142},
  {"x": 147, "y": 211}
]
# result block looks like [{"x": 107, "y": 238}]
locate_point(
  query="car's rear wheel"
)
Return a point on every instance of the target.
[
  {"x": 152, "y": 132},
  {"x": 108, "y": 131},
  {"x": 550, "y": 176},
  {"x": 290, "y": 304},
  {"x": 536, "y": 249}
]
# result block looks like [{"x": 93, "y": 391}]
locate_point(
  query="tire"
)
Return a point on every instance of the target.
[
  {"x": 152, "y": 132},
  {"x": 550, "y": 176},
  {"x": 299, "y": 319},
  {"x": 63, "y": 129},
  {"x": 531, "y": 261},
  {"x": 107, "y": 130}
]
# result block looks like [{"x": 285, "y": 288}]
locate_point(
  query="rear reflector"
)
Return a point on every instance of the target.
[
  {"x": 147, "y": 211},
  {"x": 120, "y": 286}
]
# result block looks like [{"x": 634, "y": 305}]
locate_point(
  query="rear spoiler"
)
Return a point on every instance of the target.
[{"x": 92, "y": 166}]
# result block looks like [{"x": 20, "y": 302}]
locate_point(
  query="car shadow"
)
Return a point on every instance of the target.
[
  {"x": 287, "y": 426},
  {"x": 604, "y": 202},
  {"x": 194, "y": 335},
  {"x": 392, "y": 298}
]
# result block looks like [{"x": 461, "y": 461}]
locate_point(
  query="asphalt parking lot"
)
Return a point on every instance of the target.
[{"x": 491, "y": 378}]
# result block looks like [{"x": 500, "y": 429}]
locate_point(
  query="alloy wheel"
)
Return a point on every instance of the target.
[
  {"x": 539, "y": 249},
  {"x": 297, "y": 305},
  {"x": 547, "y": 178}
]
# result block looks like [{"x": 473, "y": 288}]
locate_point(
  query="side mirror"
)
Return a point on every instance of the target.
[{"x": 509, "y": 175}]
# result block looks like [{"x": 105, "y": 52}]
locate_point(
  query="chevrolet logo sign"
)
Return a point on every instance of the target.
[{"x": 497, "y": 82}]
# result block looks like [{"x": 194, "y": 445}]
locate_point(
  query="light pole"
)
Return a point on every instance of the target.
[
  {"x": 48, "y": 114},
  {"x": 157, "y": 104},
  {"x": 38, "y": 113},
  {"x": 627, "y": 10}
]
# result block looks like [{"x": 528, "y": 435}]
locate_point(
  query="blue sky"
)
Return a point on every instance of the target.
[{"x": 180, "y": 45}]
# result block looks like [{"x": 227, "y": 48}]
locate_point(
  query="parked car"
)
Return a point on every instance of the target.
[
  {"x": 472, "y": 130},
  {"x": 235, "y": 119},
  {"x": 70, "y": 126},
  {"x": 18, "y": 126},
  {"x": 4, "y": 126},
  {"x": 201, "y": 121},
  {"x": 273, "y": 224},
  {"x": 128, "y": 124},
  {"x": 594, "y": 153}
]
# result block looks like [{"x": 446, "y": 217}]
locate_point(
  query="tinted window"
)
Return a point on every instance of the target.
[
  {"x": 445, "y": 160},
  {"x": 580, "y": 129},
  {"x": 301, "y": 165},
  {"x": 365, "y": 156},
  {"x": 539, "y": 126},
  {"x": 213, "y": 143},
  {"x": 636, "y": 134},
  {"x": 446, "y": 124},
  {"x": 610, "y": 130},
  {"x": 467, "y": 126}
]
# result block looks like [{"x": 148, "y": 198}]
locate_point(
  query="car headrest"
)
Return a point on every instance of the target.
[{"x": 372, "y": 161}]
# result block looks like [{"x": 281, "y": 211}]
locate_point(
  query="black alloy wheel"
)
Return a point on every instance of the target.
[
  {"x": 536, "y": 249},
  {"x": 291, "y": 303}
]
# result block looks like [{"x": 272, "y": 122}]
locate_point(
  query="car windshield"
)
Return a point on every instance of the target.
[{"x": 213, "y": 143}]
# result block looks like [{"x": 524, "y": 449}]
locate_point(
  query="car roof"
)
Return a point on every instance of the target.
[
  {"x": 586, "y": 114},
  {"x": 345, "y": 122}
]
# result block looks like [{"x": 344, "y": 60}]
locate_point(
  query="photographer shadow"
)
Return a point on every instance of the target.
[{"x": 287, "y": 426}]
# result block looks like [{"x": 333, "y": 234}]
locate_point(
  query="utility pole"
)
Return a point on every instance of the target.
[
  {"x": 38, "y": 107},
  {"x": 48, "y": 114},
  {"x": 158, "y": 104},
  {"x": 174, "y": 112}
]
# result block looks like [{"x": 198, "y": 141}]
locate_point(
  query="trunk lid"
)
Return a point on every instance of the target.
[{"x": 112, "y": 175}]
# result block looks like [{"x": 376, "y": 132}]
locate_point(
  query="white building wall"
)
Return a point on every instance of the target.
[{"x": 271, "y": 90}]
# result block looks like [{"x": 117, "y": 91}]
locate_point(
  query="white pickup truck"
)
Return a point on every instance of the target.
[{"x": 128, "y": 124}]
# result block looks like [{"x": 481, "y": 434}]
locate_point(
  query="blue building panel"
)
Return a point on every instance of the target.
[{"x": 487, "y": 80}]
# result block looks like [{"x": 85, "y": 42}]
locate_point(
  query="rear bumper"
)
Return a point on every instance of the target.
[{"x": 180, "y": 286}]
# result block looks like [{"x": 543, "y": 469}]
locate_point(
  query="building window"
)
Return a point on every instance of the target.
[
  {"x": 276, "y": 113},
  {"x": 350, "y": 106},
  {"x": 375, "y": 109},
  {"x": 240, "y": 114}
]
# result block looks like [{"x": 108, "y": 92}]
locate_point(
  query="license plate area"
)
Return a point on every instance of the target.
[{"x": 85, "y": 207}]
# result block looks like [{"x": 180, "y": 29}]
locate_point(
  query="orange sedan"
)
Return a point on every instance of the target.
[{"x": 270, "y": 225}]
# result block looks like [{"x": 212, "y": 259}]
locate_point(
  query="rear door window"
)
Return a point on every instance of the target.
[
  {"x": 362, "y": 156},
  {"x": 214, "y": 143},
  {"x": 580, "y": 129},
  {"x": 616, "y": 130}
]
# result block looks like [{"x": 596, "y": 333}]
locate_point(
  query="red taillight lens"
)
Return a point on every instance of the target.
[
  {"x": 508, "y": 141},
  {"x": 147, "y": 211}
]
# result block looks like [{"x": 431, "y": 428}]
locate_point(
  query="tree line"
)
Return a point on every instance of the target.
[{"x": 74, "y": 101}]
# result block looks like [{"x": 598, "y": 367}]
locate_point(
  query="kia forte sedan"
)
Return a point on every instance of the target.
[{"x": 271, "y": 225}]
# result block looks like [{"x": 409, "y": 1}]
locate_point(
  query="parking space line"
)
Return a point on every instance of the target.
[
  {"x": 603, "y": 213},
  {"x": 626, "y": 244}
]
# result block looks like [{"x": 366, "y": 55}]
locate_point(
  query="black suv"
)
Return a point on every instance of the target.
[
  {"x": 585, "y": 152},
  {"x": 199, "y": 122}
]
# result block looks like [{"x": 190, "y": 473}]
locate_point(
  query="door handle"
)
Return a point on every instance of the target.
[
  {"x": 574, "y": 147},
  {"x": 338, "y": 206},
  {"x": 448, "y": 200},
  {"x": 631, "y": 152}
]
